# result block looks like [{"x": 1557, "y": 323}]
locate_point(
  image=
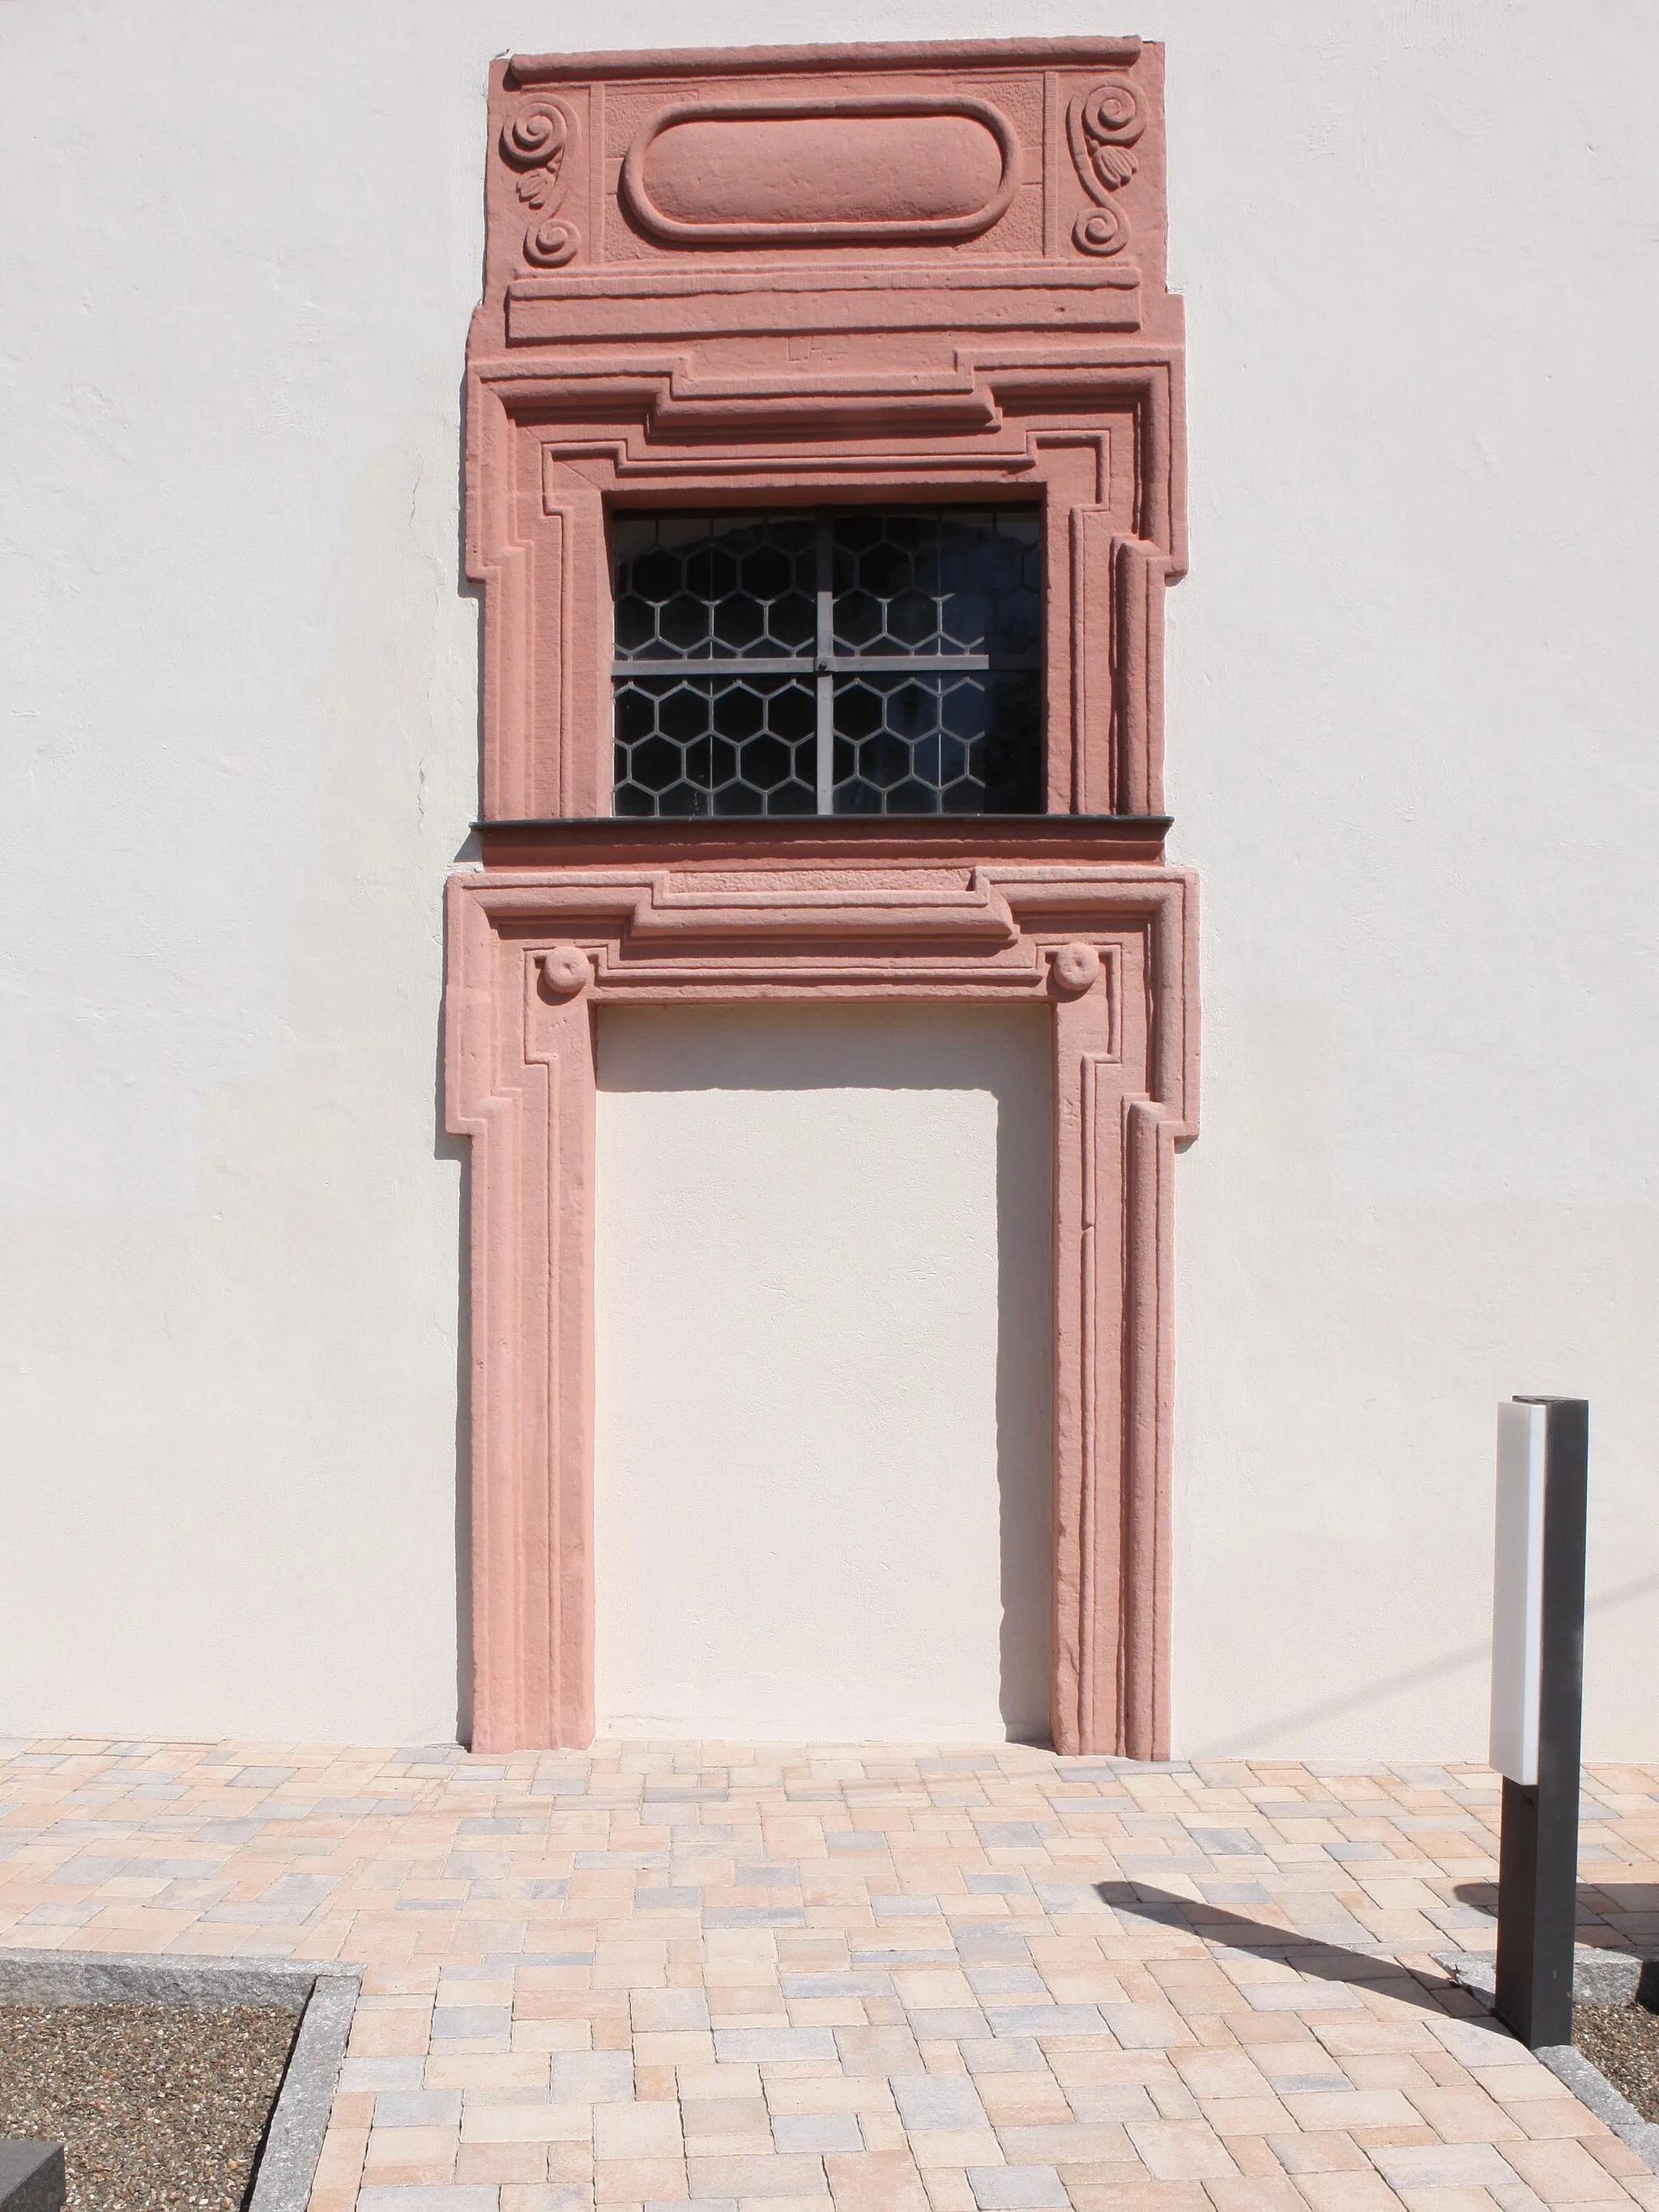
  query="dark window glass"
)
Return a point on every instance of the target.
[{"x": 868, "y": 661}]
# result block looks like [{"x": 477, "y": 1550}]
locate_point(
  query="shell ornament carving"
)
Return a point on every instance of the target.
[
  {"x": 1102, "y": 124},
  {"x": 540, "y": 141}
]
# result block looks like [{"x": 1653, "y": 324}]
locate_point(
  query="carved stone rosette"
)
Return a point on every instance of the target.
[{"x": 817, "y": 276}]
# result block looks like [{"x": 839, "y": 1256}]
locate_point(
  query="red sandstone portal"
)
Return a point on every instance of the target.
[{"x": 823, "y": 274}]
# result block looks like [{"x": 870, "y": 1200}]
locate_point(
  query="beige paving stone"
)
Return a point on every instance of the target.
[
  {"x": 1075, "y": 2144},
  {"x": 949, "y": 2190},
  {"x": 636, "y": 2131},
  {"x": 875, "y": 2181},
  {"x": 961, "y": 2147},
  {"x": 1179, "y": 2150},
  {"x": 635, "y": 2180},
  {"x": 1328, "y": 2152},
  {"x": 1364, "y": 2190},
  {"x": 1564, "y": 2172},
  {"x": 497, "y": 2164},
  {"x": 769, "y": 2177},
  {"x": 1137, "y": 2196},
  {"x": 1256, "y": 2193},
  {"x": 538, "y": 2122},
  {"x": 1350, "y": 2108}
]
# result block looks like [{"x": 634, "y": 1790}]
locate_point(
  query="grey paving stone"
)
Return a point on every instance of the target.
[
  {"x": 1009, "y": 1835},
  {"x": 754, "y": 1916},
  {"x": 1013, "y": 2188},
  {"x": 86, "y": 1869},
  {"x": 377, "y": 2073},
  {"x": 675, "y": 1899},
  {"x": 1046, "y": 2021},
  {"x": 1067, "y": 1897},
  {"x": 1007, "y": 1981},
  {"x": 738, "y": 2046},
  {"x": 1228, "y": 1843},
  {"x": 592, "y": 2077},
  {"x": 468, "y": 2023},
  {"x": 1004, "y": 2054},
  {"x": 1441, "y": 2165},
  {"x": 818, "y": 2131},
  {"x": 299, "y": 1894},
  {"x": 945, "y": 2023},
  {"x": 928, "y": 2103},
  {"x": 996, "y": 1946},
  {"x": 889, "y": 1954},
  {"x": 420, "y": 2108},
  {"x": 837, "y": 1985}
]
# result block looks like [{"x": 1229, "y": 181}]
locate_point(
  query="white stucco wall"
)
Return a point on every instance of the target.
[
  {"x": 1412, "y": 685},
  {"x": 822, "y": 1407}
]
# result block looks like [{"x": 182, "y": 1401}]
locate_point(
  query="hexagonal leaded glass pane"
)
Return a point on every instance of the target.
[
  {"x": 938, "y": 581},
  {"x": 714, "y": 586},
  {"x": 714, "y": 745},
  {"x": 938, "y": 744},
  {"x": 888, "y": 659}
]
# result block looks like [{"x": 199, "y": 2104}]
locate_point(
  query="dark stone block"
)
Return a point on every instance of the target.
[{"x": 31, "y": 2175}]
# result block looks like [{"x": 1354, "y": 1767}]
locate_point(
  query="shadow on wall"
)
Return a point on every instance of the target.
[
  {"x": 1285, "y": 1726},
  {"x": 859, "y": 1229}
]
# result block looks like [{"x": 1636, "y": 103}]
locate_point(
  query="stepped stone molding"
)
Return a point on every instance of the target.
[
  {"x": 822, "y": 274},
  {"x": 800, "y": 276},
  {"x": 535, "y": 954}
]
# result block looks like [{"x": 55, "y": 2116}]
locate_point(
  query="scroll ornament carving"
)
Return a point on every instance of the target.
[
  {"x": 540, "y": 141},
  {"x": 1102, "y": 125}
]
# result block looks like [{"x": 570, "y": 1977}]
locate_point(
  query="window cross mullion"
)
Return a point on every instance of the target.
[{"x": 826, "y": 681}]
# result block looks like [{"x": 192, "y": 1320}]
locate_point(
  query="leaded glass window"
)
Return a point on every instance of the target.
[{"x": 862, "y": 661}]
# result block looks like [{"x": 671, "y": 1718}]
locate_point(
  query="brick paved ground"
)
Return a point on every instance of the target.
[{"x": 859, "y": 1980}]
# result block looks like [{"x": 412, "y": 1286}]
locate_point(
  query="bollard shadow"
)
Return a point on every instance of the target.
[
  {"x": 1611, "y": 1916},
  {"x": 1308, "y": 1954}
]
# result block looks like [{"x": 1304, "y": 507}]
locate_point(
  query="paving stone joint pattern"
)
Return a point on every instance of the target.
[{"x": 859, "y": 1979}]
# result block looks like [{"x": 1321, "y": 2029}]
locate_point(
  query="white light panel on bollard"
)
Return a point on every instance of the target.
[{"x": 1517, "y": 1595}]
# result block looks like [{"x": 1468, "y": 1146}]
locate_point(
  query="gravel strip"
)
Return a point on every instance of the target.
[
  {"x": 1623, "y": 2041},
  {"x": 160, "y": 2108}
]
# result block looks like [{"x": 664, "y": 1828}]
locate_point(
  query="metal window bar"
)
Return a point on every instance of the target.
[{"x": 828, "y": 663}]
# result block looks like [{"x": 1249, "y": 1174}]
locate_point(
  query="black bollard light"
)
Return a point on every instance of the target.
[{"x": 1537, "y": 1705}]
